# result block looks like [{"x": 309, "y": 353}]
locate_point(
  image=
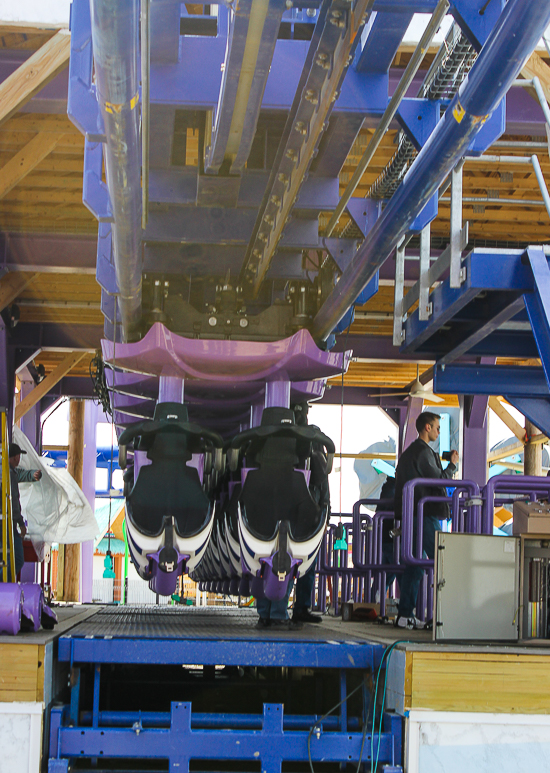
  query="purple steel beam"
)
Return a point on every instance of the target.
[
  {"x": 170, "y": 389},
  {"x": 408, "y": 433},
  {"x": 513, "y": 38},
  {"x": 91, "y": 418},
  {"x": 7, "y": 374},
  {"x": 277, "y": 394}
]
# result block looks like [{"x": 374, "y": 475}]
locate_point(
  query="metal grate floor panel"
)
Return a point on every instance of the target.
[{"x": 193, "y": 623}]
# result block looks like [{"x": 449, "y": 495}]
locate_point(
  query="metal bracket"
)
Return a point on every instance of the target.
[
  {"x": 398, "y": 332},
  {"x": 455, "y": 278},
  {"x": 473, "y": 502}
]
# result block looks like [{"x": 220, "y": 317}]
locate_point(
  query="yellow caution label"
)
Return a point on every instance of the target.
[
  {"x": 112, "y": 108},
  {"x": 458, "y": 112}
]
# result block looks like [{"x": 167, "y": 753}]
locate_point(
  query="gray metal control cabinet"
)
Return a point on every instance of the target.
[{"x": 476, "y": 579}]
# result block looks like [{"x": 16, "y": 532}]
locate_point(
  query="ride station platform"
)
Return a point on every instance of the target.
[{"x": 171, "y": 688}]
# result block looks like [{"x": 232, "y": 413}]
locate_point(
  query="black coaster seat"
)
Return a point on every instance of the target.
[
  {"x": 276, "y": 491},
  {"x": 168, "y": 486}
]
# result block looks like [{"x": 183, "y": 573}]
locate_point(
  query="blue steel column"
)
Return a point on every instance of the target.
[
  {"x": 115, "y": 45},
  {"x": 512, "y": 40}
]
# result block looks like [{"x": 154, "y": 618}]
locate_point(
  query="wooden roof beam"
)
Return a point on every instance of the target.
[
  {"x": 515, "y": 427},
  {"x": 12, "y": 285},
  {"x": 42, "y": 389},
  {"x": 26, "y": 160},
  {"x": 537, "y": 67},
  {"x": 30, "y": 77}
]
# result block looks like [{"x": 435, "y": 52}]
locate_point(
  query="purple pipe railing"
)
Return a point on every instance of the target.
[
  {"x": 527, "y": 485},
  {"x": 407, "y": 524}
]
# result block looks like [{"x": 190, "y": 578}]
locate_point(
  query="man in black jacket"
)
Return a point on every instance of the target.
[{"x": 421, "y": 461}]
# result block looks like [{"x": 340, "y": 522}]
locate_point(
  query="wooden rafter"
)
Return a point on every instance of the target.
[
  {"x": 536, "y": 67},
  {"x": 34, "y": 74},
  {"x": 42, "y": 389},
  {"x": 11, "y": 286},
  {"x": 496, "y": 406},
  {"x": 26, "y": 160}
]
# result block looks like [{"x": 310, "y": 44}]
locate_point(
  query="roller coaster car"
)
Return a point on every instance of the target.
[
  {"x": 281, "y": 518},
  {"x": 168, "y": 512}
]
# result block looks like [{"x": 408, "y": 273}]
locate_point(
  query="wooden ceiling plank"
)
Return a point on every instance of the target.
[
  {"x": 31, "y": 76},
  {"x": 26, "y": 160},
  {"x": 41, "y": 389},
  {"x": 11, "y": 286}
]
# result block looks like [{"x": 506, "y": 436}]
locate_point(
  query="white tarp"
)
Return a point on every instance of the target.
[
  {"x": 54, "y": 507},
  {"x": 371, "y": 481}
]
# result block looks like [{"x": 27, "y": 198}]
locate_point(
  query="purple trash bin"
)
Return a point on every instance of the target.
[{"x": 10, "y": 607}]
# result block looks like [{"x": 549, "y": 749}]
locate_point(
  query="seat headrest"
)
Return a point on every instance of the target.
[
  {"x": 278, "y": 451},
  {"x": 169, "y": 446},
  {"x": 274, "y": 416},
  {"x": 171, "y": 411}
]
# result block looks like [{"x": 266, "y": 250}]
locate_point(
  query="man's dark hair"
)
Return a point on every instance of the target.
[{"x": 426, "y": 418}]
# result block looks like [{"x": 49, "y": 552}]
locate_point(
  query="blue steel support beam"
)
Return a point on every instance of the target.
[
  {"x": 251, "y": 46},
  {"x": 490, "y": 295},
  {"x": 536, "y": 410},
  {"x": 513, "y": 38},
  {"x": 380, "y": 40},
  {"x": 164, "y": 18},
  {"x": 476, "y": 18},
  {"x": 270, "y": 745},
  {"x": 116, "y": 48},
  {"x": 330, "y": 51},
  {"x": 537, "y": 304},
  {"x": 490, "y": 380},
  {"x": 230, "y": 652},
  {"x": 231, "y": 71},
  {"x": 82, "y": 107}
]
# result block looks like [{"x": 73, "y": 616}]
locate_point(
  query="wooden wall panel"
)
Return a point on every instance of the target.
[
  {"x": 21, "y": 672},
  {"x": 484, "y": 682}
]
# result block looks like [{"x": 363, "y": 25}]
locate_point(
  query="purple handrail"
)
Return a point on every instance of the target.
[
  {"x": 407, "y": 556},
  {"x": 510, "y": 484}
]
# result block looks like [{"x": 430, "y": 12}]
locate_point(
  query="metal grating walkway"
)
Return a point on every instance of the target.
[{"x": 208, "y": 636}]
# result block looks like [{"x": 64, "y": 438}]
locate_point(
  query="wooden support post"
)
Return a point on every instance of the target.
[
  {"x": 30, "y": 77},
  {"x": 75, "y": 462},
  {"x": 532, "y": 459}
]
